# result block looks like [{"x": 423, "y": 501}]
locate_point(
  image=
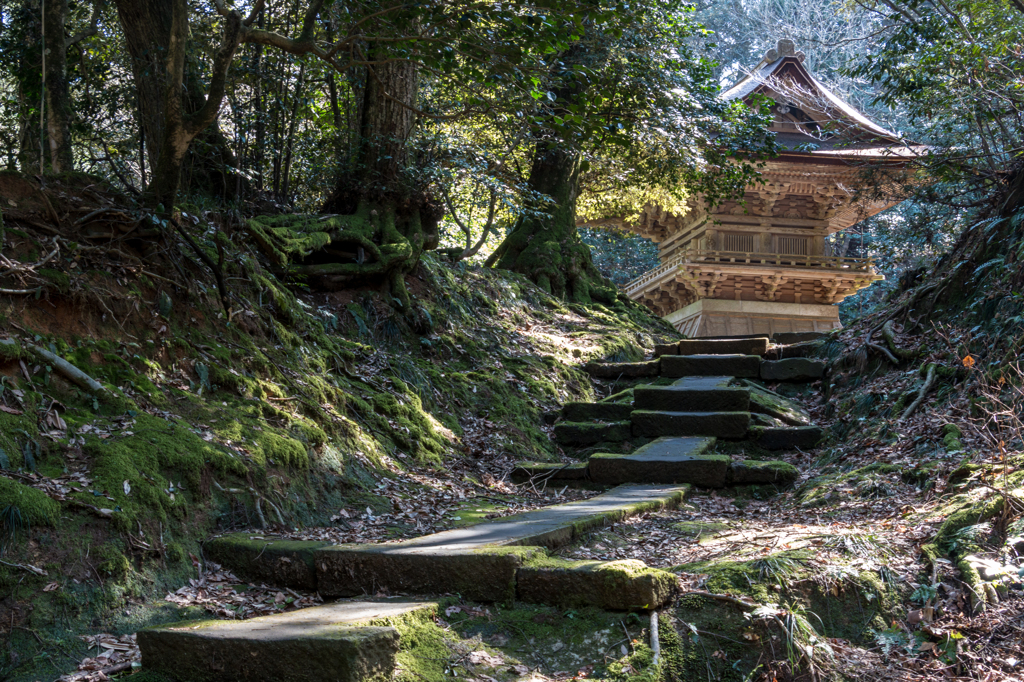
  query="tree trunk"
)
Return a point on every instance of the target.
[
  {"x": 544, "y": 244},
  {"x": 58, "y": 101},
  {"x": 156, "y": 32},
  {"x": 29, "y": 78},
  {"x": 387, "y": 125}
]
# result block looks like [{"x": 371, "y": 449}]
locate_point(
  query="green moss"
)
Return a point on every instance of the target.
[
  {"x": 700, "y": 529},
  {"x": 34, "y": 505},
  {"x": 57, "y": 278},
  {"x": 155, "y": 453},
  {"x": 951, "y": 438}
]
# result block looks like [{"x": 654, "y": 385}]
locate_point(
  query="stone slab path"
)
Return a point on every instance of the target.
[{"x": 505, "y": 559}]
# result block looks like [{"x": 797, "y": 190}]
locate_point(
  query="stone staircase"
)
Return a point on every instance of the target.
[{"x": 700, "y": 392}]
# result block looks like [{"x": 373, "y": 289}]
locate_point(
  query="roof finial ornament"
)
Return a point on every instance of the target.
[{"x": 784, "y": 48}]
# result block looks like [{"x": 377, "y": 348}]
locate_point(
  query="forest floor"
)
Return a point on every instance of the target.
[{"x": 321, "y": 416}]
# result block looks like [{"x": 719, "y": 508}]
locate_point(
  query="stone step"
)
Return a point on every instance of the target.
[
  {"x": 333, "y": 642},
  {"x": 579, "y": 434},
  {"x": 655, "y": 424},
  {"x": 747, "y": 366},
  {"x": 622, "y": 370},
  {"x": 609, "y": 412},
  {"x": 478, "y": 562},
  {"x": 781, "y": 438},
  {"x": 792, "y": 369},
  {"x": 666, "y": 460},
  {"x": 691, "y": 394},
  {"x": 755, "y": 346}
]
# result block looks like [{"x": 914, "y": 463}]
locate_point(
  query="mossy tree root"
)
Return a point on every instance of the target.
[
  {"x": 889, "y": 334},
  {"x": 380, "y": 242},
  {"x": 929, "y": 383}
]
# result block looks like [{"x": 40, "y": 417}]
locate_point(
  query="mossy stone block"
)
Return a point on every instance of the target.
[
  {"x": 478, "y": 575},
  {"x": 622, "y": 370},
  {"x": 286, "y": 563},
  {"x": 774, "y": 405},
  {"x": 666, "y": 460},
  {"x": 308, "y": 645},
  {"x": 583, "y": 433},
  {"x": 783, "y": 438},
  {"x": 666, "y": 349},
  {"x": 792, "y": 369},
  {"x": 577, "y": 471},
  {"x": 655, "y": 424},
  {"x": 627, "y": 585},
  {"x": 754, "y": 346},
  {"x": 677, "y": 398},
  {"x": 753, "y": 472},
  {"x": 710, "y": 365},
  {"x": 609, "y": 412}
]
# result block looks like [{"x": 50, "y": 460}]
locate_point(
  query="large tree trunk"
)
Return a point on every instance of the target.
[
  {"x": 544, "y": 244},
  {"x": 29, "y": 77},
  {"x": 170, "y": 92},
  {"x": 58, "y": 100}
]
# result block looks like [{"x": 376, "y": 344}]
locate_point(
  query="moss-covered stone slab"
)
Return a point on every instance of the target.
[
  {"x": 676, "y": 366},
  {"x": 655, "y": 424},
  {"x": 609, "y": 412},
  {"x": 753, "y": 346},
  {"x": 753, "y": 472},
  {"x": 786, "y": 338},
  {"x": 628, "y": 585},
  {"x": 666, "y": 349},
  {"x": 479, "y": 562},
  {"x": 310, "y": 645},
  {"x": 478, "y": 575},
  {"x": 289, "y": 563},
  {"x": 774, "y": 405},
  {"x": 797, "y": 350},
  {"x": 792, "y": 369},
  {"x": 622, "y": 370},
  {"x": 666, "y": 460},
  {"x": 523, "y": 471},
  {"x": 802, "y": 437},
  {"x": 693, "y": 394},
  {"x": 576, "y": 434}
]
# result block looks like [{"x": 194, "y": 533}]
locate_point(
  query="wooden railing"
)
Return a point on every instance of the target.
[{"x": 773, "y": 260}]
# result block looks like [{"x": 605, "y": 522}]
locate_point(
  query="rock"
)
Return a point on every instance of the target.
[
  {"x": 750, "y": 472},
  {"x": 793, "y": 369},
  {"x": 803, "y": 437},
  {"x": 666, "y": 349},
  {"x": 609, "y": 412},
  {"x": 320, "y": 643},
  {"x": 628, "y": 585},
  {"x": 622, "y": 370},
  {"x": 666, "y": 460},
  {"x": 754, "y": 346},
  {"x": 651, "y": 424},
  {"x": 584, "y": 433},
  {"x": 710, "y": 365}
]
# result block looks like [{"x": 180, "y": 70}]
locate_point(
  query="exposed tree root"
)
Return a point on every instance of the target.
[{"x": 929, "y": 382}]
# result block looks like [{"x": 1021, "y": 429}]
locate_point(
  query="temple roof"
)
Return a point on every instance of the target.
[{"x": 808, "y": 113}]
